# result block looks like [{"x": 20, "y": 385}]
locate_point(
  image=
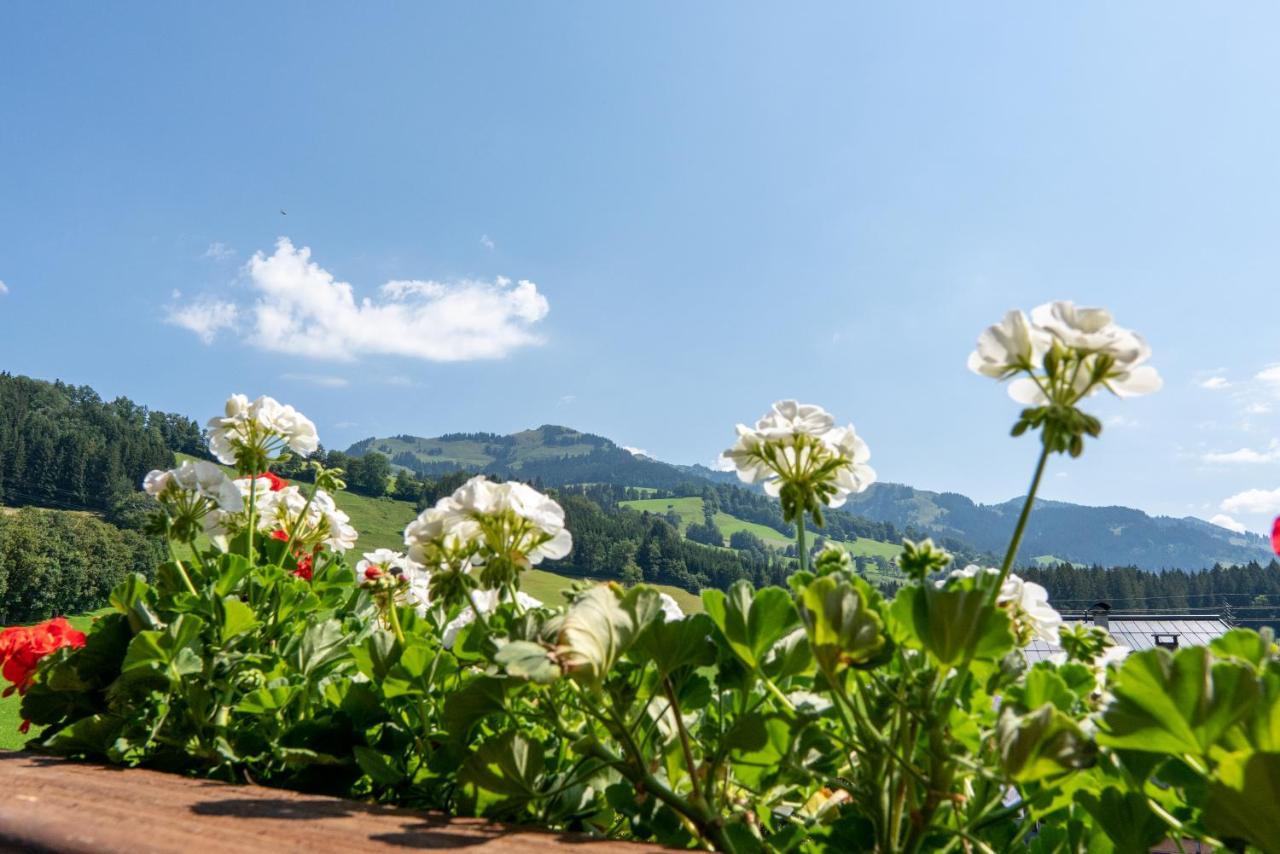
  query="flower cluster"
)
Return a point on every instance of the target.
[
  {"x": 500, "y": 528},
  {"x": 1066, "y": 352},
  {"x": 801, "y": 457},
  {"x": 251, "y": 434},
  {"x": 22, "y": 647},
  {"x": 309, "y": 522},
  {"x": 197, "y": 495},
  {"x": 1027, "y": 602}
]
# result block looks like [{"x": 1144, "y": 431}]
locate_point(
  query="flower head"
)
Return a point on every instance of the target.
[
  {"x": 311, "y": 523},
  {"x": 22, "y": 647},
  {"x": 801, "y": 457},
  {"x": 1087, "y": 351},
  {"x": 249, "y": 435},
  {"x": 500, "y": 527}
]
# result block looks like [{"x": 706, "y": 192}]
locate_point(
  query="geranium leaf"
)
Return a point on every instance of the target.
[
  {"x": 751, "y": 620},
  {"x": 1183, "y": 703}
]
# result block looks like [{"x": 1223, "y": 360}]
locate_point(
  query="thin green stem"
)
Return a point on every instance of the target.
[
  {"x": 800, "y": 545},
  {"x": 1021, "y": 527}
]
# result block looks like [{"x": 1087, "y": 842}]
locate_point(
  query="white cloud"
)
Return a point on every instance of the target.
[
  {"x": 635, "y": 452},
  {"x": 1215, "y": 383},
  {"x": 566, "y": 399},
  {"x": 1258, "y": 408},
  {"x": 1269, "y": 374},
  {"x": 722, "y": 463},
  {"x": 204, "y": 317},
  {"x": 318, "y": 379},
  {"x": 1222, "y": 520},
  {"x": 1246, "y": 455},
  {"x": 219, "y": 251},
  {"x": 1259, "y": 501},
  {"x": 487, "y": 242},
  {"x": 303, "y": 310},
  {"x": 1120, "y": 422},
  {"x": 4, "y": 289}
]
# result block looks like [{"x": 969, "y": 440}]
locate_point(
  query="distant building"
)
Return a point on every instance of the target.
[{"x": 1139, "y": 630}]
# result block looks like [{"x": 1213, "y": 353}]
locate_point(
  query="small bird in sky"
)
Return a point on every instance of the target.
[{"x": 283, "y": 212}]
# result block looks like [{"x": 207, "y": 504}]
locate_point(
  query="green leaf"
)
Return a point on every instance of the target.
[
  {"x": 679, "y": 643},
  {"x": 953, "y": 623},
  {"x": 464, "y": 708},
  {"x": 502, "y": 774},
  {"x": 232, "y": 569},
  {"x": 380, "y": 767},
  {"x": 752, "y": 621},
  {"x": 1043, "y": 743},
  {"x": 263, "y": 700},
  {"x": 844, "y": 631},
  {"x": 237, "y": 617},
  {"x": 1242, "y": 798},
  {"x": 375, "y": 655},
  {"x": 528, "y": 660},
  {"x": 1125, "y": 817},
  {"x": 322, "y": 644},
  {"x": 791, "y": 656},
  {"x": 1183, "y": 703},
  {"x": 171, "y": 654},
  {"x": 1243, "y": 645},
  {"x": 134, "y": 598},
  {"x": 600, "y": 626}
]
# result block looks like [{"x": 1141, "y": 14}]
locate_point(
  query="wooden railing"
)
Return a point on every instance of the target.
[{"x": 55, "y": 805}]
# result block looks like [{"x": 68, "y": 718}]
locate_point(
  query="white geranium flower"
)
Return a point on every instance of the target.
[
  {"x": 797, "y": 443},
  {"x": 317, "y": 523},
  {"x": 1011, "y": 345},
  {"x": 1091, "y": 331},
  {"x": 483, "y": 521},
  {"x": 487, "y": 601},
  {"x": 200, "y": 478},
  {"x": 670, "y": 607},
  {"x": 265, "y": 426},
  {"x": 1031, "y": 601}
]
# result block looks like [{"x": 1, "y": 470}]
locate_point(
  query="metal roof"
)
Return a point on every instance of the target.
[{"x": 1139, "y": 631}]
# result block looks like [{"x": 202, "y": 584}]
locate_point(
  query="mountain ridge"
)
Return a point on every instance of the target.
[{"x": 1108, "y": 535}]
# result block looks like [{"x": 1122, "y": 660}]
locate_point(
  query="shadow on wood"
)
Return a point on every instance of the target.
[{"x": 56, "y": 805}]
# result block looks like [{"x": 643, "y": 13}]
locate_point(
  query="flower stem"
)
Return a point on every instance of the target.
[
  {"x": 800, "y": 544},
  {"x": 1021, "y": 527}
]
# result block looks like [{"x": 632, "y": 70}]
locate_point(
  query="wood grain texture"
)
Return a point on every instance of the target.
[{"x": 56, "y": 805}]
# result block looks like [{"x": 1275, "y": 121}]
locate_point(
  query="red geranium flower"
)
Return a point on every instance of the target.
[
  {"x": 279, "y": 534},
  {"x": 303, "y": 571},
  {"x": 277, "y": 483},
  {"x": 22, "y": 647},
  {"x": 1275, "y": 536}
]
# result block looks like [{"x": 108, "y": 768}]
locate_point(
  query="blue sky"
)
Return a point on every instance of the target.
[{"x": 716, "y": 205}]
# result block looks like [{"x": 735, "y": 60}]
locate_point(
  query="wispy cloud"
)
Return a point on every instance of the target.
[
  {"x": 487, "y": 242},
  {"x": 566, "y": 399},
  {"x": 1256, "y": 501},
  {"x": 318, "y": 379},
  {"x": 1222, "y": 520},
  {"x": 1269, "y": 374},
  {"x": 1122, "y": 422},
  {"x": 205, "y": 317},
  {"x": 635, "y": 452},
  {"x": 1247, "y": 456},
  {"x": 4, "y": 289},
  {"x": 219, "y": 251},
  {"x": 1215, "y": 383},
  {"x": 301, "y": 309}
]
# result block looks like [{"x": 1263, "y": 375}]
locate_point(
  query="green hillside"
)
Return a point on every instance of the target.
[{"x": 690, "y": 511}]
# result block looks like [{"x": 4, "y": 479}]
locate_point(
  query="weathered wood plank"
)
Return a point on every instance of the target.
[{"x": 54, "y": 805}]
